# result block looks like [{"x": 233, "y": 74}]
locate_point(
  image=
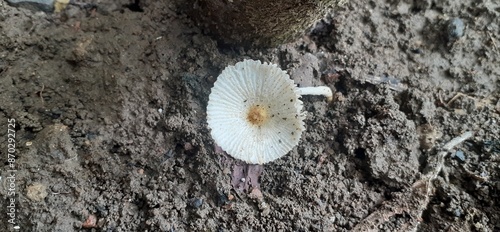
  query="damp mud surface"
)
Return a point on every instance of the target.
[{"x": 110, "y": 126}]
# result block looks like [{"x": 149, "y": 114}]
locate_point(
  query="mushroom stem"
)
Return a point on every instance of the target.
[{"x": 320, "y": 90}]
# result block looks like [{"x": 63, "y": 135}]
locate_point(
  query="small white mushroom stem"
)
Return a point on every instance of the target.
[{"x": 320, "y": 90}]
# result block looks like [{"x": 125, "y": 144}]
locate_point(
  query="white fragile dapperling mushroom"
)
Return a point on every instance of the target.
[{"x": 254, "y": 111}]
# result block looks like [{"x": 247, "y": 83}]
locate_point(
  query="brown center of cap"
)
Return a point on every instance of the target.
[{"x": 257, "y": 115}]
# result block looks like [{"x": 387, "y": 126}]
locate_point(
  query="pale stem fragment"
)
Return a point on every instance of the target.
[{"x": 320, "y": 90}]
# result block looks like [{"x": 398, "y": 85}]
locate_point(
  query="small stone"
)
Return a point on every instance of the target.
[
  {"x": 455, "y": 29},
  {"x": 36, "y": 192},
  {"x": 460, "y": 155},
  {"x": 256, "y": 194},
  {"x": 90, "y": 222},
  {"x": 188, "y": 146},
  {"x": 264, "y": 208},
  {"x": 196, "y": 203},
  {"x": 458, "y": 212}
]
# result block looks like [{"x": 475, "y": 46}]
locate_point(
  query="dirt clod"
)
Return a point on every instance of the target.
[
  {"x": 428, "y": 136},
  {"x": 36, "y": 192}
]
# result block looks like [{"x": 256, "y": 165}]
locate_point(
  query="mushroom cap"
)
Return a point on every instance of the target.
[{"x": 254, "y": 112}]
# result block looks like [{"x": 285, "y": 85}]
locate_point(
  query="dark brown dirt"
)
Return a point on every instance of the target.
[{"x": 111, "y": 133}]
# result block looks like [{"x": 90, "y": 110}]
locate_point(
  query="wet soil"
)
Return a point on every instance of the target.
[{"x": 109, "y": 109}]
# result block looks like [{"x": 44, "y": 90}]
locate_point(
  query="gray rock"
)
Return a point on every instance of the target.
[
  {"x": 455, "y": 29},
  {"x": 43, "y": 5},
  {"x": 196, "y": 203},
  {"x": 460, "y": 155}
]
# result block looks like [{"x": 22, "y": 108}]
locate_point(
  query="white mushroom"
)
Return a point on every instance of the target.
[{"x": 254, "y": 111}]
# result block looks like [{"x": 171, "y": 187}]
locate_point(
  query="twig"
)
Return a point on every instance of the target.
[
  {"x": 456, "y": 97},
  {"x": 441, "y": 102},
  {"x": 454, "y": 142},
  {"x": 72, "y": 158},
  {"x": 432, "y": 174},
  {"x": 414, "y": 200},
  {"x": 482, "y": 178}
]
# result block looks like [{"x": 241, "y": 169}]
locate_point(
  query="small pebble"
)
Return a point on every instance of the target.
[
  {"x": 90, "y": 222},
  {"x": 455, "y": 29},
  {"x": 188, "y": 146},
  {"x": 256, "y": 194},
  {"x": 196, "y": 203},
  {"x": 264, "y": 208},
  {"x": 458, "y": 212},
  {"x": 460, "y": 155},
  {"x": 36, "y": 192}
]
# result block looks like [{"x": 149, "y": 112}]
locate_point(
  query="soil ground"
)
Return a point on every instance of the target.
[{"x": 109, "y": 109}]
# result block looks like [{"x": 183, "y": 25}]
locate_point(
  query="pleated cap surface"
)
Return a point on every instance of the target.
[{"x": 251, "y": 85}]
